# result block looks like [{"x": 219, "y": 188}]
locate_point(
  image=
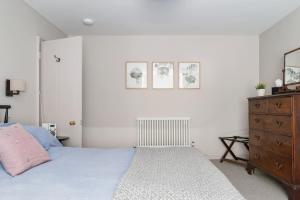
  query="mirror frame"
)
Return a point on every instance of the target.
[{"x": 287, "y": 53}]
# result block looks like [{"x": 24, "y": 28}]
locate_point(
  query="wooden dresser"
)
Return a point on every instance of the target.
[{"x": 274, "y": 131}]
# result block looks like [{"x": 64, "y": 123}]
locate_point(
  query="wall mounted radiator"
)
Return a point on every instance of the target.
[{"x": 163, "y": 132}]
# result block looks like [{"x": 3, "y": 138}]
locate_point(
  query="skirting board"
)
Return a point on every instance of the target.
[{"x": 124, "y": 137}]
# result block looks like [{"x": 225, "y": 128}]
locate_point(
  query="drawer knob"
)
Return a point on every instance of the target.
[
  {"x": 279, "y": 123},
  {"x": 278, "y": 165},
  {"x": 256, "y": 156},
  {"x": 257, "y": 137},
  {"x": 278, "y": 105},
  {"x": 257, "y": 105},
  {"x": 257, "y": 120},
  {"x": 279, "y": 143}
]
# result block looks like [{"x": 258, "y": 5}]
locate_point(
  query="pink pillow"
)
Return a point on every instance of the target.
[{"x": 19, "y": 151}]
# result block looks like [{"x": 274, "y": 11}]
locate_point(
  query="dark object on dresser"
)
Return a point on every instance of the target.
[
  {"x": 283, "y": 90},
  {"x": 232, "y": 140},
  {"x": 6, "y": 108},
  {"x": 276, "y": 90},
  {"x": 274, "y": 142}
]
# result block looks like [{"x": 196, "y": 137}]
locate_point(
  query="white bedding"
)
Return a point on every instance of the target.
[{"x": 174, "y": 174}]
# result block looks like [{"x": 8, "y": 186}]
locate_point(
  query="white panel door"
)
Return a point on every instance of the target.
[{"x": 61, "y": 87}]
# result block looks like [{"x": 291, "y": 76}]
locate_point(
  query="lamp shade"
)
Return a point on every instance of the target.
[{"x": 17, "y": 85}]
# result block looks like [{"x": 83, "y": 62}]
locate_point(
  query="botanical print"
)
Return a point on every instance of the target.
[
  {"x": 163, "y": 73},
  {"x": 136, "y": 74},
  {"x": 189, "y": 75},
  {"x": 292, "y": 75}
]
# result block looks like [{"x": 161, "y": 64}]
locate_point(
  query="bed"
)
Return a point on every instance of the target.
[
  {"x": 170, "y": 173},
  {"x": 105, "y": 174}
]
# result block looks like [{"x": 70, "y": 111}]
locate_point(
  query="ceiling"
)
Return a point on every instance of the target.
[{"x": 122, "y": 17}]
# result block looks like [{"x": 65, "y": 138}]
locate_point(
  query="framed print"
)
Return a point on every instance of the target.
[
  {"x": 136, "y": 75},
  {"x": 163, "y": 75},
  {"x": 189, "y": 75}
]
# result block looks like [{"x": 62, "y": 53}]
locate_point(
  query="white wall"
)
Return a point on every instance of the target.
[
  {"x": 230, "y": 66},
  {"x": 20, "y": 25},
  {"x": 282, "y": 37}
]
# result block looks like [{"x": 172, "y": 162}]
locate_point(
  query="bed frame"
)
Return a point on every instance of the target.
[{"x": 6, "y": 108}]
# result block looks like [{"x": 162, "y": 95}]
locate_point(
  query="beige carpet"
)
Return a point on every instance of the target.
[{"x": 253, "y": 187}]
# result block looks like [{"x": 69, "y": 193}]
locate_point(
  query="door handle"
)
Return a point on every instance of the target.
[{"x": 72, "y": 123}]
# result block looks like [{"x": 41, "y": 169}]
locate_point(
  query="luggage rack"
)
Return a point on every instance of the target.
[{"x": 228, "y": 146}]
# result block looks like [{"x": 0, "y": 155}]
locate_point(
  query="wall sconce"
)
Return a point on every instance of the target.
[{"x": 14, "y": 87}]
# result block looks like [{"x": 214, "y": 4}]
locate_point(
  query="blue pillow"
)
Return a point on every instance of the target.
[{"x": 43, "y": 136}]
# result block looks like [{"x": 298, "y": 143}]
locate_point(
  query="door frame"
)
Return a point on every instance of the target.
[
  {"x": 40, "y": 114},
  {"x": 38, "y": 43},
  {"x": 38, "y": 65}
]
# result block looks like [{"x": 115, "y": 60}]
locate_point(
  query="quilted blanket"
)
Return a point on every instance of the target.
[{"x": 174, "y": 174}]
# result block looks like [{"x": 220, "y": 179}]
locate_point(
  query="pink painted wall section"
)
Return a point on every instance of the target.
[{"x": 229, "y": 72}]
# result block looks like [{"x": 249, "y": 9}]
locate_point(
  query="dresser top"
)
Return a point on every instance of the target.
[{"x": 275, "y": 95}]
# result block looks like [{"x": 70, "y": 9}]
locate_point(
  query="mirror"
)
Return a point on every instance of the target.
[{"x": 292, "y": 67}]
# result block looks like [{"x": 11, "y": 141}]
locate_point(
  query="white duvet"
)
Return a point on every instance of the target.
[{"x": 174, "y": 174}]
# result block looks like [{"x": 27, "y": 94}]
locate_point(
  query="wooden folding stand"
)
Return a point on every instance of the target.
[{"x": 232, "y": 140}]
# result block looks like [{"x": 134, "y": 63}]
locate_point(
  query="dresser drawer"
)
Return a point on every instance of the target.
[
  {"x": 280, "y": 144},
  {"x": 276, "y": 165},
  {"x": 280, "y": 105},
  {"x": 257, "y": 156},
  {"x": 279, "y": 166},
  {"x": 257, "y": 138},
  {"x": 278, "y": 124},
  {"x": 258, "y": 106},
  {"x": 257, "y": 121}
]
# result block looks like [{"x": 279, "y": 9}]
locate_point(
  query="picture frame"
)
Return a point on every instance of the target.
[
  {"x": 189, "y": 75},
  {"x": 136, "y": 75},
  {"x": 163, "y": 75}
]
